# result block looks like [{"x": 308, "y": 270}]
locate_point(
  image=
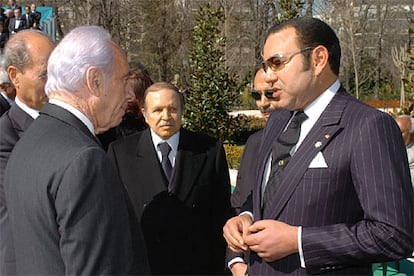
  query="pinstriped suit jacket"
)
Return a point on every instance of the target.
[{"x": 358, "y": 210}]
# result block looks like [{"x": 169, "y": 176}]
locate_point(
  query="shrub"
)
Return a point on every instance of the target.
[{"x": 233, "y": 155}]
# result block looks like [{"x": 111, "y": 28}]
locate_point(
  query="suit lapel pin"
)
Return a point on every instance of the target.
[
  {"x": 327, "y": 136},
  {"x": 318, "y": 144}
]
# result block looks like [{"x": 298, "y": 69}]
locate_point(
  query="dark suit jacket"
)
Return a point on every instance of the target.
[
  {"x": 182, "y": 229},
  {"x": 66, "y": 204},
  {"x": 4, "y": 105},
  {"x": 245, "y": 179},
  {"x": 356, "y": 211},
  {"x": 12, "y": 25},
  {"x": 12, "y": 125},
  {"x": 247, "y": 171}
]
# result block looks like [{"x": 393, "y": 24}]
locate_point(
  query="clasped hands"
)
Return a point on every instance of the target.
[{"x": 270, "y": 239}]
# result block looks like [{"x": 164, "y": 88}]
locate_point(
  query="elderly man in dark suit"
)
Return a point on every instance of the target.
[
  {"x": 263, "y": 96},
  {"x": 333, "y": 191},
  {"x": 68, "y": 210},
  {"x": 26, "y": 56},
  {"x": 180, "y": 195}
]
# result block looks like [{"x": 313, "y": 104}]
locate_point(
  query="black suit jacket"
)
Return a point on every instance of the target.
[
  {"x": 182, "y": 229},
  {"x": 4, "y": 105},
  {"x": 354, "y": 211},
  {"x": 66, "y": 204},
  {"x": 12, "y": 125}
]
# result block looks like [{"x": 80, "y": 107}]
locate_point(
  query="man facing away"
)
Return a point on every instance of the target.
[
  {"x": 178, "y": 182},
  {"x": 67, "y": 207},
  {"x": 26, "y": 55},
  {"x": 332, "y": 192},
  {"x": 406, "y": 125}
]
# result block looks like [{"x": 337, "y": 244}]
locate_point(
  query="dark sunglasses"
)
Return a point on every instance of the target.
[
  {"x": 257, "y": 95},
  {"x": 277, "y": 61}
]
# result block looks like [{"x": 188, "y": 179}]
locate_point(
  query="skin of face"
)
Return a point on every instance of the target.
[
  {"x": 162, "y": 112},
  {"x": 31, "y": 82},
  {"x": 404, "y": 123},
  {"x": 265, "y": 105},
  {"x": 292, "y": 85},
  {"x": 113, "y": 99}
]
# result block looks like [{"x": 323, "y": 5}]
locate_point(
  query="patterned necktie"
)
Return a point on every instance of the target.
[
  {"x": 165, "y": 162},
  {"x": 281, "y": 156}
]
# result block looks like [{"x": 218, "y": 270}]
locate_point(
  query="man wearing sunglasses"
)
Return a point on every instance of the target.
[
  {"x": 342, "y": 197},
  {"x": 263, "y": 95}
]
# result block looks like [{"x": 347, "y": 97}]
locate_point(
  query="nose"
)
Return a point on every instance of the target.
[
  {"x": 264, "y": 102},
  {"x": 270, "y": 76},
  {"x": 166, "y": 114}
]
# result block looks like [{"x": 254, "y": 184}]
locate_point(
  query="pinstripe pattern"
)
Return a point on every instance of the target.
[{"x": 356, "y": 211}]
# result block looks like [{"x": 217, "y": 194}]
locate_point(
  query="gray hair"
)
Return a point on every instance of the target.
[
  {"x": 80, "y": 49},
  {"x": 16, "y": 52}
]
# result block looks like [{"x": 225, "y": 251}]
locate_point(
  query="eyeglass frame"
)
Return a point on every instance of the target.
[
  {"x": 268, "y": 93},
  {"x": 282, "y": 59}
]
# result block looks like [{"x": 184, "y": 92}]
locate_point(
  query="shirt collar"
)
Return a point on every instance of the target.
[
  {"x": 75, "y": 112},
  {"x": 172, "y": 141},
  {"x": 32, "y": 112},
  {"x": 315, "y": 109}
]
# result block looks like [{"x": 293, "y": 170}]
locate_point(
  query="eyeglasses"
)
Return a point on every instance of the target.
[
  {"x": 276, "y": 62},
  {"x": 257, "y": 95}
]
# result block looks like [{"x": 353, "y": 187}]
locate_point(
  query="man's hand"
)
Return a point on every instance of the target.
[
  {"x": 238, "y": 269},
  {"x": 272, "y": 240},
  {"x": 234, "y": 230}
]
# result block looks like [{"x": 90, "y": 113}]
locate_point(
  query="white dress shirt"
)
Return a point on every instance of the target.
[
  {"x": 32, "y": 112},
  {"x": 172, "y": 142},
  {"x": 75, "y": 113}
]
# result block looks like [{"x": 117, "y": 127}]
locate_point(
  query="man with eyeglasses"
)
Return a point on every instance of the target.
[
  {"x": 332, "y": 192},
  {"x": 263, "y": 96}
]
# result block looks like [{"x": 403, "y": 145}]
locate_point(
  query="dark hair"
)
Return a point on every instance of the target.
[
  {"x": 311, "y": 33},
  {"x": 140, "y": 80}
]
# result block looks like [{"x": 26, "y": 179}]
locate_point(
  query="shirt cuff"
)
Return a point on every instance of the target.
[
  {"x": 235, "y": 260},
  {"x": 302, "y": 258},
  {"x": 247, "y": 212}
]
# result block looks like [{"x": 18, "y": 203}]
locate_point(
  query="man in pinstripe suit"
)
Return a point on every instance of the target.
[{"x": 345, "y": 198}]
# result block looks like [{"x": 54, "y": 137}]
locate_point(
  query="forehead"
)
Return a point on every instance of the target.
[
  {"x": 283, "y": 41},
  {"x": 162, "y": 97},
  {"x": 259, "y": 80}
]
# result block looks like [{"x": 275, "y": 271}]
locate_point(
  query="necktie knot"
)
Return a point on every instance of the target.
[
  {"x": 164, "y": 148},
  {"x": 291, "y": 135}
]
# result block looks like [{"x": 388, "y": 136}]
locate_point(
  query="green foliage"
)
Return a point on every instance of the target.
[
  {"x": 233, "y": 155},
  {"x": 212, "y": 92},
  {"x": 246, "y": 126}
]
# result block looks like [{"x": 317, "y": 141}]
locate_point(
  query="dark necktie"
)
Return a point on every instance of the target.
[
  {"x": 281, "y": 156},
  {"x": 165, "y": 162}
]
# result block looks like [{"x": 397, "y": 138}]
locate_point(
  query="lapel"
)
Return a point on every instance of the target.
[
  {"x": 189, "y": 163},
  {"x": 274, "y": 127},
  {"x": 19, "y": 119},
  {"x": 321, "y": 134},
  {"x": 147, "y": 161},
  {"x": 65, "y": 116}
]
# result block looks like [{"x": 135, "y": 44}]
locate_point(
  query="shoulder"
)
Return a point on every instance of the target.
[{"x": 198, "y": 139}]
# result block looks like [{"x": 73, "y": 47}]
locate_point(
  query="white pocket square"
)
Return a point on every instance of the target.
[{"x": 318, "y": 162}]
